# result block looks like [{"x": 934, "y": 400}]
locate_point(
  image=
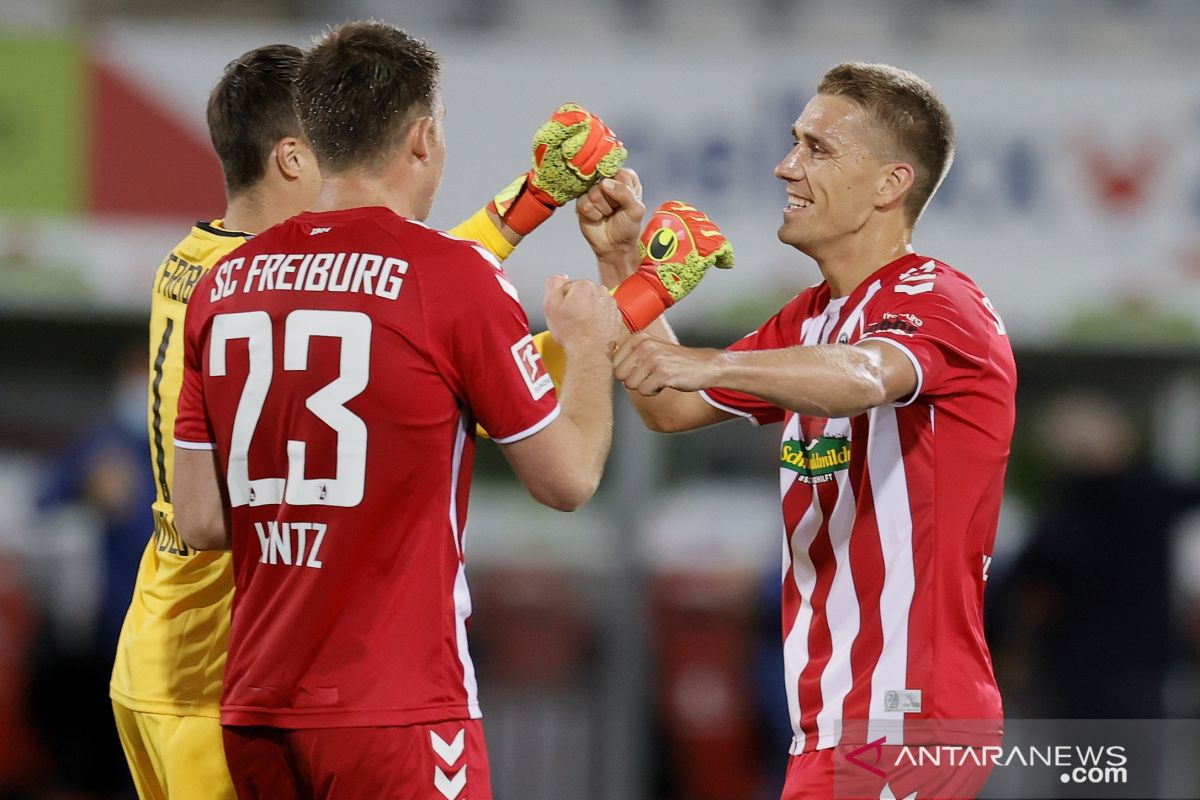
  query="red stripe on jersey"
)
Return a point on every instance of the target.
[
  {"x": 820, "y": 641},
  {"x": 867, "y": 556},
  {"x": 913, "y": 424},
  {"x": 791, "y": 597}
]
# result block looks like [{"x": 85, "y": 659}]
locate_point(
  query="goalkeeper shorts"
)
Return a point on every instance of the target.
[{"x": 174, "y": 757}]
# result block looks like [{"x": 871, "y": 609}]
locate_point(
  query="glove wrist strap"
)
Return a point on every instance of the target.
[
  {"x": 640, "y": 301},
  {"x": 526, "y": 213}
]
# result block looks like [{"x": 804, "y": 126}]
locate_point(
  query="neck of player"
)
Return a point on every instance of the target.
[
  {"x": 248, "y": 213},
  {"x": 392, "y": 188},
  {"x": 849, "y": 260}
]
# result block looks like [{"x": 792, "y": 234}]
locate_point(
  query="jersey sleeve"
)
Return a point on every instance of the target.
[
  {"x": 943, "y": 330},
  {"x": 488, "y": 351},
  {"x": 479, "y": 228},
  {"x": 770, "y": 336},
  {"x": 192, "y": 428}
]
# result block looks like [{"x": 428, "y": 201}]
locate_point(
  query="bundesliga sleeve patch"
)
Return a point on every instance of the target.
[{"x": 529, "y": 362}]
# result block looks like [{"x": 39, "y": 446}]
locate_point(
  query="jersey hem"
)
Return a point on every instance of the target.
[
  {"x": 344, "y": 718},
  {"x": 532, "y": 429},
  {"x": 730, "y": 409},
  {"x": 194, "y": 445},
  {"x": 174, "y": 708}
]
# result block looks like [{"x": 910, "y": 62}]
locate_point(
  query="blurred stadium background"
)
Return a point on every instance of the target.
[{"x": 631, "y": 650}]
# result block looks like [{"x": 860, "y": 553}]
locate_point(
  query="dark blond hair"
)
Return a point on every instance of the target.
[
  {"x": 359, "y": 89},
  {"x": 908, "y": 113}
]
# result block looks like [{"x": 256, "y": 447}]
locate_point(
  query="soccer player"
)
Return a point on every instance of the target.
[
  {"x": 166, "y": 680},
  {"x": 334, "y": 366},
  {"x": 894, "y": 381}
]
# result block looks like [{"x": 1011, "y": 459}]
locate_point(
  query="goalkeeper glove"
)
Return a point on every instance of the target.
[
  {"x": 678, "y": 246},
  {"x": 571, "y": 151}
]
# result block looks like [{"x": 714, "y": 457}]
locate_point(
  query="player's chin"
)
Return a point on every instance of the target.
[{"x": 789, "y": 234}]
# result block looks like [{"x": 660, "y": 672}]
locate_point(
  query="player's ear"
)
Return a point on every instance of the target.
[
  {"x": 290, "y": 155},
  {"x": 420, "y": 138},
  {"x": 895, "y": 181}
]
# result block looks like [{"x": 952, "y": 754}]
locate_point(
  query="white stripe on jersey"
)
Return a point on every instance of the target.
[
  {"x": 841, "y": 606},
  {"x": 852, "y": 327},
  {"x": 462, "y": 612},
  {"x": 795, "y": 646},
  {"x": 460, "y": 442},
  {"x": 462, "y": 595},
  {"x": 894, "y": 519}
]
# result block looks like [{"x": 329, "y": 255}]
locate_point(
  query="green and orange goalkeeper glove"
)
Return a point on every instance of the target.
[
  {"x": 571, "y": 151},
  {"x": 678, "y": 246}
]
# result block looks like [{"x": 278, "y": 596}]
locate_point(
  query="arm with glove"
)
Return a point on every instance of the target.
[
  {"x": 572, "y": 150},
  {"x": 674, "y": 252}
]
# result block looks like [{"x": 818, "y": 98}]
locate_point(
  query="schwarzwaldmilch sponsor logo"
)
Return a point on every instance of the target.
[{"x": 817, "y": 460}]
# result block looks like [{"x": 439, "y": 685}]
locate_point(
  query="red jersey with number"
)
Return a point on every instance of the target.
[
  {"x": 890, "y": 516},
  {"x": 338, "y": 364}
]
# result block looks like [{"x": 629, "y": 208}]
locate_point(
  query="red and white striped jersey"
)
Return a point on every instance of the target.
[
  {"x": 338, "y": 363},
  {"x": 890, "y": 516}
]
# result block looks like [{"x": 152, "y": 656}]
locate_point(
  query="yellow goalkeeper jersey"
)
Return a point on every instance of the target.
[{"x": 171, "y": 654}]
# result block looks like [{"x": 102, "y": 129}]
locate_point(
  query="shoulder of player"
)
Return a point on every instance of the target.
[
  {"x": 928, "y": 277},
  {"x": 418, "y": 240},
  {"x": 186, "y": 265},
  {"x": 457, "y": 263},
  {"x": 807, "y": 302}
]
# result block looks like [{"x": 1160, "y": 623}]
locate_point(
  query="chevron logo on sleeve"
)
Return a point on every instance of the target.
[{"x": 449, "y": 752}]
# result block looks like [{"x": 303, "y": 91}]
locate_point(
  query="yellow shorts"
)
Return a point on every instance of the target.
[{"x": 174, "y": 757}]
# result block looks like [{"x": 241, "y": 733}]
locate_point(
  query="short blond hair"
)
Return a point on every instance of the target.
[{"x": 910, "y": 116}]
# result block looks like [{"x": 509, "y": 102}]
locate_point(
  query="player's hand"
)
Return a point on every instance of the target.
[
  {"x": 610, "y": 217},
  {"x": 679, "y": 245},
  {"x": 571, "y": 151},
  {"x": 581, "y": 314},
  {"x": 648, "y": 365}
]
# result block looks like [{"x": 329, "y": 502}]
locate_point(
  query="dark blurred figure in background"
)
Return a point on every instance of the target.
[
  {"x": 106, "y": 473},
  {"x": 1088, "y": 628}
]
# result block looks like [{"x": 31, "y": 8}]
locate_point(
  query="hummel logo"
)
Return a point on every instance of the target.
[
  {"x": 318, "y": 231},
  {"x": 449, "y": 787},
  {"x": 449, "y": 752}
]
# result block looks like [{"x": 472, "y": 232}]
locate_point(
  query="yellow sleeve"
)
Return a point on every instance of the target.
[
  {"x": 554, "y": 358},
  {"x": 479, "y": 228}
]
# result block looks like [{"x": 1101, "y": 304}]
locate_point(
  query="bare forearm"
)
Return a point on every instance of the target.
[
  {"x": 200, "y": 514},
  {"x": 825, "y": 380},
  {"x": 586, "y": 400},
  {"x": 671, "y": 411}
]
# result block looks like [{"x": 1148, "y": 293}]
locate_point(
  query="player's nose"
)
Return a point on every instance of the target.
[{"x": 790, "y": 168}]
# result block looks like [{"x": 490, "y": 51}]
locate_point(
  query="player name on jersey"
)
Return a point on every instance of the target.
[
  {"x": 365, "y": 273},
  {"x": 177, "y": 277},
  {"x": 276, "y": 540}
]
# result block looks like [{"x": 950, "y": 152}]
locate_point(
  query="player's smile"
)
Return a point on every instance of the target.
[{"x": 796, "y": 205}]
